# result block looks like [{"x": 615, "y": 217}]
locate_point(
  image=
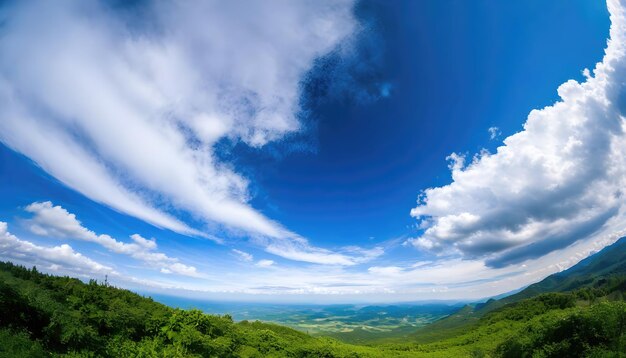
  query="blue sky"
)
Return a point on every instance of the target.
[{"x": 277, "y": 151}]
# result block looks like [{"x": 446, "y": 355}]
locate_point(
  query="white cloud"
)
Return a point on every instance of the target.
[
  {"x": 421, "y": 243},
  {"x": 265, "y": 263},
  {"x": 361, "y": 255},
  {"x": 494, "y": 132},
  {"x": 559, "y": 180},
  {"x": 54, "y": 221},
  {"x": 385, "y": 270},
  {"x": 64, "y": 260},
  {"x": 444, "y": 278},
  {"x": 127, "y": 111},
  {"x": 145, "y": 243},
  {"x": 56, "y": 258},
  {"x": 302, "y": 251},
  {"x": 299, "y": 249},
  {"x": 242, "y": 255},
  {"x": 183, "y": 269}
]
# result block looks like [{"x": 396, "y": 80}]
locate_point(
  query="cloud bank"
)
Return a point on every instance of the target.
[
  {"x": 50, "y": 258},
  {"x": 127, "y": 109},
  {"x": 558, "y": 181},
  {"x": 56, "y": 222}
]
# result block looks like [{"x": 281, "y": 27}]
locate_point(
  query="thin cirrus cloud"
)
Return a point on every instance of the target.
[
  {"x": 56, "y": 222},
  {"x": 558, "y": 181},
  {"x": 248, "y": 257},
  {"x": 242, "y": 255},
  {"x": 128, "y": 112}
]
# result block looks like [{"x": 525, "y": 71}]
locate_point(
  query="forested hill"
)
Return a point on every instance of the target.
[{"x": 43, "y": 316}]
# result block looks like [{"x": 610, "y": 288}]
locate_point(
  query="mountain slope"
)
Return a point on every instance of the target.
[
  {"x": 604, "y": 270},
  {"x": 594, "y": 271}
]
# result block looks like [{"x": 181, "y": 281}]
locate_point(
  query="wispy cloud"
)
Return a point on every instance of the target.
[
  {"x": 128, "y": 112},
  {"x": 494, "y": 132},
  {"x": 299, "y": 249},
  {"x": 265, "y": 263},
  {"x": 559, "y": 180},
  {"x": 242, "y": 255}
]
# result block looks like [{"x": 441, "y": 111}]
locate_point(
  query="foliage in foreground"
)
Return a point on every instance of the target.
[{"x": 43, "y": 315}]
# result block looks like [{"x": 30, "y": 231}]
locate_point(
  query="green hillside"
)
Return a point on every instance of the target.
[
  {"x": 43, "y": 315},
  {"x": 602, "y": 274},
  {"x": 595, "y": 271}
]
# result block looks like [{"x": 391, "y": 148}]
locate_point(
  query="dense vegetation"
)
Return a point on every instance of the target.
[
  {"x": 549, "y": 325},
  {"x": 43, "y": 315},
  {"x": 597, "y": 285}
]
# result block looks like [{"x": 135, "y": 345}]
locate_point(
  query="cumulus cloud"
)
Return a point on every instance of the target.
[
  {"x": 54, "y": 221},
  {"x": 56, "y": 258},
  {"x": 127, "y": 109},
  {"x": 559, "y": 180}
]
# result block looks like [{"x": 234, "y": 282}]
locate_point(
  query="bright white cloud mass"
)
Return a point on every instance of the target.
[
  {"x": 128, "y": 113},
  {"x": 556, "y": 182}
]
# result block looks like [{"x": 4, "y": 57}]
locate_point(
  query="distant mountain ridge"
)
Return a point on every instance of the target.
[
  {"x": 589, "y": 272},
  {"x": 604, "y": 269}
]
